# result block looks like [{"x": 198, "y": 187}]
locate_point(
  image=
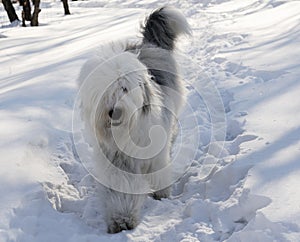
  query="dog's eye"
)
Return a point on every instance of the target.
[{"x": 125, "y": 89}]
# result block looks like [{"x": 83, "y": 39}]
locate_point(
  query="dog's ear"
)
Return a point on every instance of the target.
[{"x": 147, "y": 97}]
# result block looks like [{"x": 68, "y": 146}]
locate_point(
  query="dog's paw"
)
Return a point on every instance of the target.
[
  {"x": 119, "y": 224},
  {"x": 165, "y": 193}
]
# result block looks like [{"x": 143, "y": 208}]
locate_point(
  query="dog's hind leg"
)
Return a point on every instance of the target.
[
  {"x": 161, "y": 175},
  {"x": 164, "y": 193}
]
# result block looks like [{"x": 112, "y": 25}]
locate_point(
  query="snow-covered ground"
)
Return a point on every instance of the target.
[{"x": 242, "y": 185}]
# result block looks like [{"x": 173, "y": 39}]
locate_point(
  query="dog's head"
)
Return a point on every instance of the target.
[{"x": 118, "y": 96}]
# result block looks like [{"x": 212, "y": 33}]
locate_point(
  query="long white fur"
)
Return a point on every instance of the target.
[{"x": 102, "y": 82}]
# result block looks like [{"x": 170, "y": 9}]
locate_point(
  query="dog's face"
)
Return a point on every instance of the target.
[
  {"x": 121, "y": 103},
  {"x": 125, "y": 98}
]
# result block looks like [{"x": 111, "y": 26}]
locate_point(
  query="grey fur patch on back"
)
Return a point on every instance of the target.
[{"x": 161, "y": 65}]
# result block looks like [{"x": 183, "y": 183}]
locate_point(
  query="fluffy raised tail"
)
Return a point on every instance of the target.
[{"x": 163, "y": 27}]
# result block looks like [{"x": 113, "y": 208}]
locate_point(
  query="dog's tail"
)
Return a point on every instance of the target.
[{"x": 163, "y": 27}]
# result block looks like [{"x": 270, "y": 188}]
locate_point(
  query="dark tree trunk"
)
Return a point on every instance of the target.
[
  {"x": 35, "y": 15},
  {"x": 27, "y": 10},
  {"x": 23, "y": 19},
  {"x": 10, "y": 10},
  {"x": 66, "y": 7}
]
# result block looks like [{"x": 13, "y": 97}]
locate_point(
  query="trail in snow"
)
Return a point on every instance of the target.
[{"x": 53, "y": 197}]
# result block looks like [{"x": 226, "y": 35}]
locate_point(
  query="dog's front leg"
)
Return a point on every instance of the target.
[{"x": 122, "y": 210}]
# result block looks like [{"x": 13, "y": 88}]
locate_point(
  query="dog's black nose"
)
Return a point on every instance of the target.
[{"x": 115, "y": 113}]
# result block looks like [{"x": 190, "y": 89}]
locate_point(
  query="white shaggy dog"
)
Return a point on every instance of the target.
[{"x": 130, "y": 97}]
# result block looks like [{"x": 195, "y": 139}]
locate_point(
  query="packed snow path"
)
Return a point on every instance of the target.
[{"x": 246, "y": 50}]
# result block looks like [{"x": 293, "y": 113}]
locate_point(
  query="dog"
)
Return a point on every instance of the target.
[{"x": 131, "y": 95}]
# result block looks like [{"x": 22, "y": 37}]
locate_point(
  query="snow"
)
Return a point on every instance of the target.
[{"x": 242, "y": 73}]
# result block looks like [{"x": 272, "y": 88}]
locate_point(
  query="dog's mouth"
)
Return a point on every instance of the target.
[
  {"x": 115, "y": 115},
  {"x": 116, "y": 123}
]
